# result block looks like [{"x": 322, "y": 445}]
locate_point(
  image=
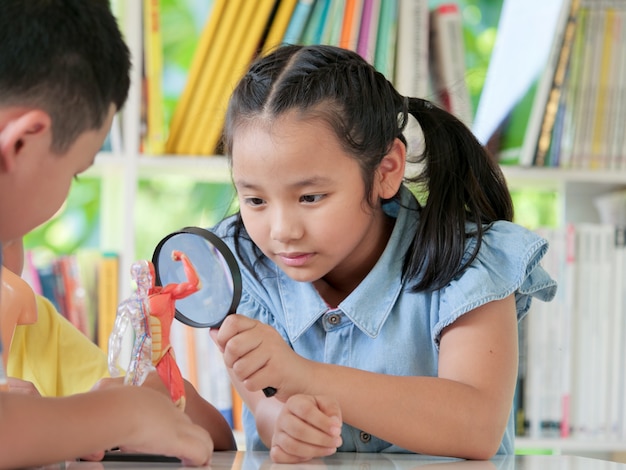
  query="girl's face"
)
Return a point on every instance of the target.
[{"x": 302, "y": 201}]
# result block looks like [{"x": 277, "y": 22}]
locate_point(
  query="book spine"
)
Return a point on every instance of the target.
[
  {"x": 606, "y": 60},
  {"x": 193, "y": 94},
  {"x": 298, "y": 21},
  {"x": 448, "y": 57},
  {"x": 552, "y": 103},
  {"x": 351, "y": 21},
  {"x": 108, "y": 297},
  {"x": 154, "y": 132},
  {"x": 386, "y": 39},
  {"x": 279, "y": 25},
  {"x": 527, "y": 154},
  {"x": 411, "y": 74}
]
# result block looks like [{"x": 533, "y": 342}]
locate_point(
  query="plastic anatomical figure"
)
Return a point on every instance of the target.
[{"x": 150, "y": 312}]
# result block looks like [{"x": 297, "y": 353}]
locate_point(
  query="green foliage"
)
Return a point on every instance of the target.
[
  {"x": 74, "y": 226},
  {"x": 167, "y": 204}
]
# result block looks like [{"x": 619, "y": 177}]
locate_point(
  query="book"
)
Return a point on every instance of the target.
[
  {"x": 153, "y": 132},
  {"x": 553, "y": 100},
  {"x": 604, "y": 97},
  {"x": 351, "y": 23},
  {"x": 368, "y": 31},
  {"x": 314, "y": 28},
  {"x": 411, "y": 67},
  {"x": 74, "y": 307},
  {"x": 279, "y": 25},
  {"x": 331, "y": 33},
  {"x": 571, "y": 95},
  {"x": 386, "y": 39},
  {"x": 298, "y": 21},
  {"x": 181, "y": 121},
  {"x": 618, "y": 90},
  {"x": 108, "y": 297},
  {"x": 241, "y": 45},
  {"x": 518, "y": 60},
  {"x": 448, "y": 61},
  {"x": 533, "y": 129}
]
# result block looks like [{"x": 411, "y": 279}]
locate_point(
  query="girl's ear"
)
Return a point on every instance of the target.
[
  {"x": 390, "y": 172},
  {"x": 22, "y": 132}
]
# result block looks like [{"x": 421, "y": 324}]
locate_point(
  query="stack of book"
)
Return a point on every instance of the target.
[
  {"x": 571, "y": 116},
  {"x": 572, "y": 376},
  {"x": 406, "y": 41}
]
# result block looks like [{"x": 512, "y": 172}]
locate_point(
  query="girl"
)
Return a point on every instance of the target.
[{"x": 386, "y": 324}]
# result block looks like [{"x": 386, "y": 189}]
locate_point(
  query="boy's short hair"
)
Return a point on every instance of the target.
[{"x": 66, "y": 57}]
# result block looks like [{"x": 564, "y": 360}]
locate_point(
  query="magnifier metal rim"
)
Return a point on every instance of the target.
[{"x": 218, "y": 243}]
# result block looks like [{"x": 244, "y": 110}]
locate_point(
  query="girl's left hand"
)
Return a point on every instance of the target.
[
  {"x": 259, "y": 357},
  {"x": 307, "y": 427}
]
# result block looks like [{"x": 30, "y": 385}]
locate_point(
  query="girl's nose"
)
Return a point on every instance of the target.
[{"x": 285, "y": 227}]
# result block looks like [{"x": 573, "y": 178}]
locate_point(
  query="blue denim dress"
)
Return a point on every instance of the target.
[{"x": 382, "y": 326}]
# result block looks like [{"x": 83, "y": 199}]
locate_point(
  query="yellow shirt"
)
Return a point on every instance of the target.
[{"x": 54, "y": 355}]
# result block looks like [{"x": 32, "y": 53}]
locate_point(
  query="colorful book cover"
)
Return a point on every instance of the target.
[
  {"x": 279, "y": 25},
  {"x": 366, "y": 46},
  {"x": 108, "y": 297},
  {"x": 298, "y": 21},
  {"x": 189, "y": 53},
  {"x": 331, "y": 33},
  {"x": 386, "y": 38},
  {"x": 411, "y": 68},
  {"x": 505, "y": 109},
  {"x": 351, "y": 23},
  {"x": 243, "y": 44},
  {"x": 314, "y": 28},
  {"x": 154, "y": 131},
  {"x": 552, "y": 103},
  {"x": 448, "y": 61}
]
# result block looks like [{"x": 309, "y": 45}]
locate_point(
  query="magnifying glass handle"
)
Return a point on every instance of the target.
[{"x": 269, "y": 391}]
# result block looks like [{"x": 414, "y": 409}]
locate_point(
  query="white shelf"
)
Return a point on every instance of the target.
[
  {"x": 518, "y": 176},
  {"x": 570, "y": 445}
]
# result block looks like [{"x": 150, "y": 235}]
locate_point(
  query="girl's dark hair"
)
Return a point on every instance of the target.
[
  {"x": 67, "y": 57},
  {"x": 462, "y": 183}
]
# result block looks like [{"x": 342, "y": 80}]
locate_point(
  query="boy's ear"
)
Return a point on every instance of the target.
[
  {"x": 20, "y": 132},
  {"x": 390, "y": 172}
]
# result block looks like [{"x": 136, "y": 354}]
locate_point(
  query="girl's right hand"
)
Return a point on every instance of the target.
[{"x": 307, "y": 427}]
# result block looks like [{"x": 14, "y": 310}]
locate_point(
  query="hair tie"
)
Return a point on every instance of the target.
[{"x": 424, "y": 103}]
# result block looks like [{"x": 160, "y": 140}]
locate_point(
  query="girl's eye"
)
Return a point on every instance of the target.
[
  {"x": 254, "y": 201},
  {"x": 311, "y": 198}
]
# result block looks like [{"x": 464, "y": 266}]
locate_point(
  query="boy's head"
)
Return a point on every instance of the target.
[{"x": 64, "y": 71}]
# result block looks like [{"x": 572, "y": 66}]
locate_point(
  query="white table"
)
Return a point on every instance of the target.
[{"x": 260, "y": 461}]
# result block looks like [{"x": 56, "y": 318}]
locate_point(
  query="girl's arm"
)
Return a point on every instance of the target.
[
  {"x": 37, "y": 431},
  {"x": 206, "y": 415},
  {"x": 461, "y": 413}
]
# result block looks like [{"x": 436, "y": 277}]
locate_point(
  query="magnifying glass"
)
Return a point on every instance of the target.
[{"x": 217, "y": 268}]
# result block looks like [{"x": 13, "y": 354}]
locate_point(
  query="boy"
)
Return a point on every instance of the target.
[{"x": 63, "y": 75}]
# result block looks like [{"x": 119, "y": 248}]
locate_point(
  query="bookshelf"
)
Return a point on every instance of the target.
[{"x": 120, "y": 173}]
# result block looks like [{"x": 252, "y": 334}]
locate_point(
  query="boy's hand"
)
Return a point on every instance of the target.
[
  {"x": 259, "y": 357},
  {"x": 22, "y": 386},
  {"x": 151, "y": 424},
  {"x": 307, "y": 427}
]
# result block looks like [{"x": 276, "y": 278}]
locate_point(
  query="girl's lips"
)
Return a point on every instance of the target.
[{"x": 294, "y": 259}]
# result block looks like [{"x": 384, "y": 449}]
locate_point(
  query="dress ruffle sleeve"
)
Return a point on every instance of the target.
[{"x": 508, "y": 262}]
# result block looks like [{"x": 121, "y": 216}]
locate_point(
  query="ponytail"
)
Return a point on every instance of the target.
[{"x": 464, "y": 185}]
